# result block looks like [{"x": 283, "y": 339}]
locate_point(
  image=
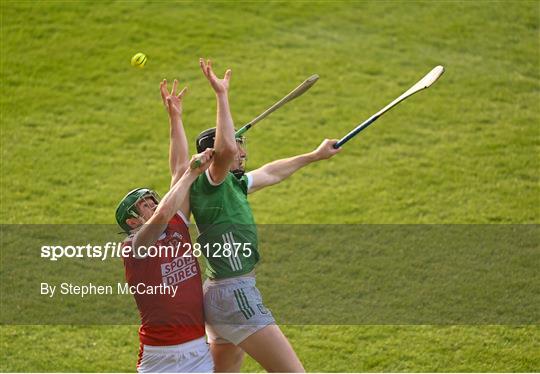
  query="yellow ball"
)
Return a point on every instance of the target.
[{"x": 139, "y": 60}]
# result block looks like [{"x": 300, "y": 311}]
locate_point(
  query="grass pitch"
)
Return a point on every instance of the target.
[{"x": 80, "y": 127}]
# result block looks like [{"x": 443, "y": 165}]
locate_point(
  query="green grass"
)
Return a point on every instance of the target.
[
  {"x": 321, "y": 348},
  {"x": 80, "y": 127}
]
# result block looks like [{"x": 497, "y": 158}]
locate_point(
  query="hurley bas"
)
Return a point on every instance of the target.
[{"x": 93, "y": 289}]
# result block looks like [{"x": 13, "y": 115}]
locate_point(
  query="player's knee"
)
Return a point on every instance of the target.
[
  {"x": 227, "y": 358},
  {"x": 238, "y": 358}
]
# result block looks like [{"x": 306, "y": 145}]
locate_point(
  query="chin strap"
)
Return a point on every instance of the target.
[{"x": 238, "y": 173}]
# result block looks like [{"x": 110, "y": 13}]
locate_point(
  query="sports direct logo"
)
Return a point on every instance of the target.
[{"x": 178, "y": 270}]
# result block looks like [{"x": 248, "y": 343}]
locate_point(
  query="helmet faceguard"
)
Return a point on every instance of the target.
[
  {"x": 128, "y": 206},
  {"x": 241, "y": 142}
]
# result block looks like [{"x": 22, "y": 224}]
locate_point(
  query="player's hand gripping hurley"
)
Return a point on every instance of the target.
[{"x": 423, "y": 83}]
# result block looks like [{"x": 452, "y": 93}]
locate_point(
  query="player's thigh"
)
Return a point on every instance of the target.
[
  {"x": 271, "y": 349},
  {"x": 227, "y": 357}
]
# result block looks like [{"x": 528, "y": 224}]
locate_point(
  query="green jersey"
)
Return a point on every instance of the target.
[{"x": 228, "y": 236}]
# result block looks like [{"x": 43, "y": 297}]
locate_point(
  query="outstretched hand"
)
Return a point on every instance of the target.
[
  {"x": 220, "y": 86},
  {"x": 326, "y": 149},
  {"x": 172, "y": 101}
]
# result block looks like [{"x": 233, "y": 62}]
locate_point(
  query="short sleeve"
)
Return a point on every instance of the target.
[
  {"x": 249, "y": 180},
  {"x": 245, "y": 182}
]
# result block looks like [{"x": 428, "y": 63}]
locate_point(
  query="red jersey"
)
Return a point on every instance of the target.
[{"x": 168, "y": 319}]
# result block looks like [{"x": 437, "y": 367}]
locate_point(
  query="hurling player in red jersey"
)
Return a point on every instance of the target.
[{"x": 172, "y": 336}]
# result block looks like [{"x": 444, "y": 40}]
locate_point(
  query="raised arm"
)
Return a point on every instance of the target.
[
  {"x": 276, "y": 171},
  {"x": 150, "y": 231},
  {"x": 225, "y": 143},
  {"x": 178, "y": 145}
]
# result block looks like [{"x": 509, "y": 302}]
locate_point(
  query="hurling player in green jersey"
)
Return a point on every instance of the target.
[{"x": 236, "y": 319}]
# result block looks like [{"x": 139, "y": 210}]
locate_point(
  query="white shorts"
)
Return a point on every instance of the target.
[
  {"x": 234, "y": 310},
  {"x": 191, "y": 357}
]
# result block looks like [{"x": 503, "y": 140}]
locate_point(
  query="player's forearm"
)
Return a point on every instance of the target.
[
  {"x": 281, "y": 169},
  {"x": 178, "y": 146},
  {"x": 225, "y": 143},
  {"x": 172, "y": 201}
]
